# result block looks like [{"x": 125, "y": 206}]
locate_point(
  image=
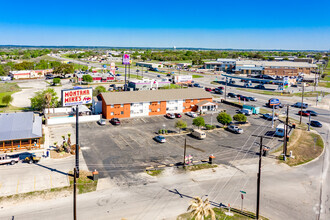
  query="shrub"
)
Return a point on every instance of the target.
[
  {"x": 199, "y": 121},
  {"x": 209, "y": 127},
  {"x": 162, "y": 130},
  {"x": 240, "y": 118},
  {"x": 224, "y": 118}
]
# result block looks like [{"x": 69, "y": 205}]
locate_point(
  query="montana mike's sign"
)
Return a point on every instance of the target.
[{"x": 71, "y": 97}]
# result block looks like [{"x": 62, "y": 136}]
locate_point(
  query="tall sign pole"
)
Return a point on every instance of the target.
[
  {"x": 225, "y": 89},
  {"x": 302, "y": 102},
  {"x": 74, "y": 194},
  {"x": 184, "y": 153},
  {"x": 77, "y": 140}
]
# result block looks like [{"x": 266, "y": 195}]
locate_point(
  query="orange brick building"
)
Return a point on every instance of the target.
[{"x": 153, "y": 102}]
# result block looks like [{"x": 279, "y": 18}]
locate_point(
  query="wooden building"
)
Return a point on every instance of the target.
[{"x": 19, "y": 131}]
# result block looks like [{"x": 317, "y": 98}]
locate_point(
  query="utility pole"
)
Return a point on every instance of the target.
[
  {"x": 273, "y": 116},
  {"x": 184, "y": 152},
  {"x": 125, "y": 85},
  {"x": 286, "y": 134},
  {"x": 309, "y": 121},
  {"x": 259, "y": 174},
  {"x": 74, "y": 194},
  {"x": 302, "y": 102}
]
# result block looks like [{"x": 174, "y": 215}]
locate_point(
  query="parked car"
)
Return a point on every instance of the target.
[
  {"x": 196, "y": 85},
  {"x": 239, "y": 96},
  {"x": 160, "y": 139},
  {"x": 260, "y": 87},
  {"x": 6, "y": 159},
  {"x": 303, "y": 113},
  {"x": 32, "y": 159},
  {"x": 316, "y": 124},
  {"x": 101, "y": 122},
  {"x": 158, "y": 75},
  {"x": 269, "y": 117},
  {"x": 170, "y": 115},
  {"x": 198, "y": 134},
  {"x": 279, "y": 130},
  {"x": 245, "y": 111},
  {"x": 118, "y": 74},
  {"x": 218, "y": 91},
  {"x": 244, "y": 98},
  {"x": 299, "y": 105},
  {"x": 312, "y": 113},
  {"x": 115, "y": 121},
  {"x": 208, "y": 89},
  {"x": 191, "y": 114},
  {"x": 232, "y": 95},
  {"x": 178, "y": 115},
  {"x": 221, "y": 88},
  {"x": 235, "y": 129}
]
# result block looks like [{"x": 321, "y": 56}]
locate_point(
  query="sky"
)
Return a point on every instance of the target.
[{"x": 239, "y": 24}]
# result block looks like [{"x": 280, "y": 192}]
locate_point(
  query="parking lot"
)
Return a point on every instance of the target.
[{"x": 121, "y": 151}]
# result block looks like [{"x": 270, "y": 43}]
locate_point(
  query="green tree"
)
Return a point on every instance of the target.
[
  {"x": 64, "y": 69},
  {"x": 199, "y": 121},
  {"x": 180, "y": 124},
  {"x": 56, "y": 81},
  {"x": 7, "y": 99},
  {"x": 38, "y": 100},
  {"x": 200, "y": 209},
  {"x": 224, "y": 118},
  {"x": 87, "y": 78},
  {"x": 98, "y": 90},
  {"x": 240, "y": 117}
]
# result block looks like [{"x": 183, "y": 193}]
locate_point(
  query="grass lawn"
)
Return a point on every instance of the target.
[
  {"x": 200, "y": 166},
  {"x": 7, "y": 89},
  {"x": 324, "y": 84},
  {"x": 136, "y": 76},
  {"x": 305, "y": 146},
  {"x": 197, "y": 76},
  {"x": 272, "y": 93}
]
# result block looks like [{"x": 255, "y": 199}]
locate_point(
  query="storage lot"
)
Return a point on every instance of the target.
[{"x": 120, "y": 151}]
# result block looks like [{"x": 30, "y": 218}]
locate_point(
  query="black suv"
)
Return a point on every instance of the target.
[{"x": 232, "y": 95}]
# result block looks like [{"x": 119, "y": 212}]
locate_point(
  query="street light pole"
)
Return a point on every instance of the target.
[
  {"x": 225, "y": 89},
  {"x": 302, "y": 102}
]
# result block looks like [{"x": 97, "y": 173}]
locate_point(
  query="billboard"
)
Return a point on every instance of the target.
[
  {"x": 183, "y": 79},
  {"x": 126, "y": 59},
  {"x": 274, "y": 101},
  {"x": 113, "y": 68},
  {"x": 285, "y": 82},
  {"x": 79, "y": 96}
]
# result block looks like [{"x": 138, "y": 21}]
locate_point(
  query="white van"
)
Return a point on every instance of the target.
[
  {"x": 198, "y": 134},
  {"x": 245, "y": 111},
  {"x": 279, "y": 130}
]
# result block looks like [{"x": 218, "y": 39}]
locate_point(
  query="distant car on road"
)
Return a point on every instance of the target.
[
  {"x": 260, "y": 87},
  {"x": 221, "y": 88},
  {"x": 196, "y": 85},
  {"x": 115, "y": 121},
  {"x": 118, "y": 74},
  {"x": 269, "y": 117},
  {"x": 312, "y": 113},
  {"x": 178, "y": 115},
  {"x": 232, "y": 95},
  {"x": 252, "y": 99},
  {"x": 170, "y": 115},
  {"x": 235, "y": 129},
  {"x": 191, "y": 114},
  {"x": 208, "y": 89},
  {"x": 218, "y": 91},
  {"x": 303, "y": 113},
  {"x": 299, "y": 105},
  {"x": 160, "y": 139},
  {"x": 158, "y": 75},
  {"x": 316, "y": 124},
  {"x": 244, "y": 98}
]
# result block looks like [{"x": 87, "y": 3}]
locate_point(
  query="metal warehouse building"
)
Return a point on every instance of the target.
[{"x": 155, "y": 102}]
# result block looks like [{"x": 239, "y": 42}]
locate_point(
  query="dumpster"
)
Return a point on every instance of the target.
[
  {"x": 95, "y": 175},
  {"x": 211, "y": 159}
]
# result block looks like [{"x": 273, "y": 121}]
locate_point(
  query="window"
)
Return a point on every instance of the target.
[
  {"x": 167, "y": 109},
  {"x": 111, "y": 113},
  {"x": 122, "y": 105},
  {"x": 158, "y": 110},
  {"x": 121, "y": 112},
  {"x": 111, "y": 106},
  {"x": 184, "y": 107},
  {"x": 176, "y": 108},
  {"x": 132, "y": 112},
  {"x": 149, "y": 110}
]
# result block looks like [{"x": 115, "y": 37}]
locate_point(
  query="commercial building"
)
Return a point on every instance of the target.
[
  {"x": 281, "y": 71},
  {"x": 155, "y": 102},
  {"x": 28, "y": 74},
  {"x": 302, "y": 67},
  {"x": 249, "y": 70},
  {"x": 149, "y": 65},
  {"x": 226, "y": 65},
  {"x": 98, "y": 77},
  {"x": 148, "y": 84},
  {"x": 21, "y": 130}
]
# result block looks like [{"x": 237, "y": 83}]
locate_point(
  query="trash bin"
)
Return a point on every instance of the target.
[
  {"x": 95, "y": 175},
  {"x": 265, "y": 152},
  {"x": 293, "y": 126},
  {"x": 211, "y": 159}
]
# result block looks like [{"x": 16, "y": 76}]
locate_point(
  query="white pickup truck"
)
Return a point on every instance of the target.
[{"x": 5, "y": 159}]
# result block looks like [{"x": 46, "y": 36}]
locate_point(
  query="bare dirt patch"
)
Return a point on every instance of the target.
[{"x": 55, "y": 155}]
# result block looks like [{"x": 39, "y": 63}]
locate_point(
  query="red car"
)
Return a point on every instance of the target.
[
  {"x": 178, "y": 115},
  {"x": 303, "y": 113},
  {"x": 221, "y": 88},
  {"x": 208, "y": 89},
  {"x": 115, "y": 121}
]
